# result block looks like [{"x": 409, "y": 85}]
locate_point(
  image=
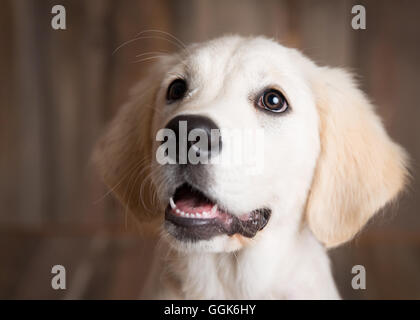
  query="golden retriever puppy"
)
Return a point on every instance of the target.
[{"x": 253, "y": 160}]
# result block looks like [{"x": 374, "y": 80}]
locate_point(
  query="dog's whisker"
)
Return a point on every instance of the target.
[
  {"x": 131, "y": 186},
  {"x": 138, "y": 172},
  {"x": 147, "y": 59},
  {"x": 140, "y": 197},
  {"x": 142, "y": 188},
  {"x": 165, "y": 33},
  {"x": 145, "y": 38},
  {"x": 152, "y": 53},
  {"x": 157, "y": 182},
  {"x": 159, "y": 186}
]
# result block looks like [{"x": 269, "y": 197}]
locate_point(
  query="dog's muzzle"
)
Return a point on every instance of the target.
[{"x": 191, "y": 214}]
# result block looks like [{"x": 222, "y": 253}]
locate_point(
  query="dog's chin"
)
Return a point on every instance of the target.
[
  {"x": 220, "y": 243},
  {"x": 194, "y": 221}
]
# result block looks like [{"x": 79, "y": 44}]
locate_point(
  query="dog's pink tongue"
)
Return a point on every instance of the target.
[{"x": 192, "y": 206}]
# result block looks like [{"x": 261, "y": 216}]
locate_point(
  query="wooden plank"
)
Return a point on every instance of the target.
[
  {"x": 9, "y": 132},
  {"x": 29, "y": 100}
]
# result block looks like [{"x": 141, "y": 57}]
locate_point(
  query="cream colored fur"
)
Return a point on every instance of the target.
[
  {"x": 359, "y": 169},
  {"x": 329, "y": 166}
]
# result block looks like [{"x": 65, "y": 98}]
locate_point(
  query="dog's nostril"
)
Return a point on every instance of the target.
[{"x": 189, "y": 131}]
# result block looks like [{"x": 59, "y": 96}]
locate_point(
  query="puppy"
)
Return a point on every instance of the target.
[{"x": 326, "y": 165}]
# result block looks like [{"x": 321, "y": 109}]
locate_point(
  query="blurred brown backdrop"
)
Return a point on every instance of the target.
[{"x": 59, "y": 88}]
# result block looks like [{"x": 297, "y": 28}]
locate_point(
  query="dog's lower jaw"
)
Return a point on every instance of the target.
[{"x": 287, "y": 267}]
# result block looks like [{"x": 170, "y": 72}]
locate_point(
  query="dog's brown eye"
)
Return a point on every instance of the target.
[
  {"x": 273, "y": 100},
  {"x": 176, "y": 90}
]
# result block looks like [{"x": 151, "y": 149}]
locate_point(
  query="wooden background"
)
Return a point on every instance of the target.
[{"x": 59, "y": 88}]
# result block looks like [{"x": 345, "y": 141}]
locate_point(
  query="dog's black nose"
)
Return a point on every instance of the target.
[{"x": 191, "y": 132}]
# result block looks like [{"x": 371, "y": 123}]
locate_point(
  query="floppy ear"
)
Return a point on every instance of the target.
[
  {"x": 359, "y": 170},
  {"x": 124, "y": 153}
]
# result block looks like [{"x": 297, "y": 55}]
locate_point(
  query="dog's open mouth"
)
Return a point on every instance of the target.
[{"x": 191, "y": 215}]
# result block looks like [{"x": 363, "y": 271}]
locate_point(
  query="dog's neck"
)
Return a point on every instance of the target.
[
  {"x": 265, "y": 268},
  {"x": 244, "y": 273}
]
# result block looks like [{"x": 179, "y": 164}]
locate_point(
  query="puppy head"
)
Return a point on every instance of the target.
[{"x": 316, "y": 147}]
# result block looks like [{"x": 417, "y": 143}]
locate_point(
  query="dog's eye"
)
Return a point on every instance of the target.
[
  {"x": 176, "y": 90},
  {"x": 273, "y": 100}
]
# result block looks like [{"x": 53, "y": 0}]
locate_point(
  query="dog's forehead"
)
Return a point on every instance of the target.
[{"x": 244, "y": 57}]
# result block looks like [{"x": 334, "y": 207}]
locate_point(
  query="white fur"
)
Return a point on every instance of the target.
[{"x": 328, "y": 166}]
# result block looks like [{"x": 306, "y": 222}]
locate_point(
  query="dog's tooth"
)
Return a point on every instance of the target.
[
  {"x": 205, "y": 213},
  {"x": 172, "y": 203},
  {"x": 187, "y": 214},
  {"x": 214, "y": 209},
  {"x": 178, "y": 211},
  {"x": 192, "y": 215},
  {"x": 182, "y": 213},
  {"x": 198, "y": 215}
]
